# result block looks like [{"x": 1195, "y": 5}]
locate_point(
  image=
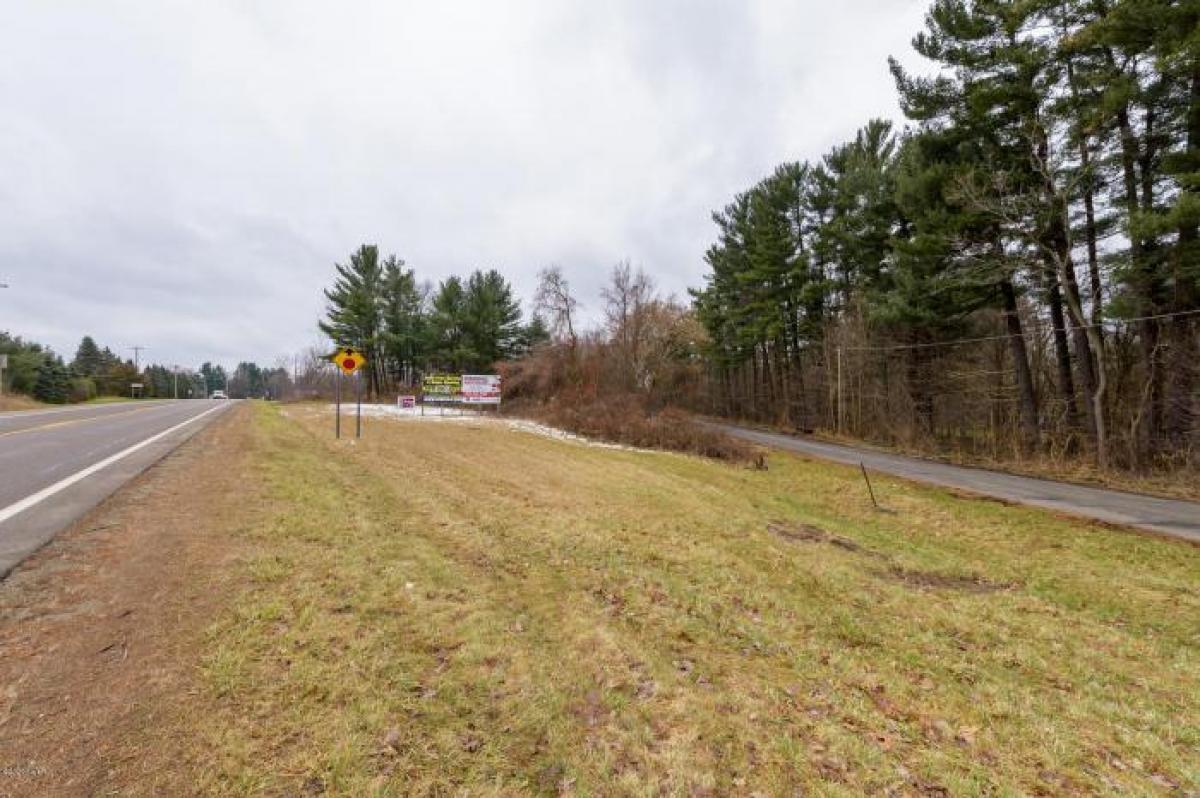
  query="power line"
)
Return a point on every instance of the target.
[{"x": 960, "y": 341}]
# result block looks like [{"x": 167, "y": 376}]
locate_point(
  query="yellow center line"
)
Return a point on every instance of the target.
[{"x": 69, "y": 422}]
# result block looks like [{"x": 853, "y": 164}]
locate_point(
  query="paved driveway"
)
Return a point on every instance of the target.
[{"x": 1172, "y": 517}]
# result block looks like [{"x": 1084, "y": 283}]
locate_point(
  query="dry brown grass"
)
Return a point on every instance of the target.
[{"x": 10, "y": 401}]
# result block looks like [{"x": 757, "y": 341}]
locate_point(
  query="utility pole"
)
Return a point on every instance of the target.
[
  {"x": 137, "y": 352},
  {"x": 176, "y": 370},
  {"x": 3, "y": 358}
]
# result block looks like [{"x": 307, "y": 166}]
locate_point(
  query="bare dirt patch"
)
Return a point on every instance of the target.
[
  {"x": 806, "y": 533},
  {"x": 969, "y": 583},
  {"x": 915, "y": 578},
  {"x": 99, "y": 630}
]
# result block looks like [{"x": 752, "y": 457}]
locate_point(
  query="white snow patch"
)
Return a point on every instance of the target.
[
  {"x": 534, "y": 428},
  {"x": 431, "y": 413},
  {"x": 444, "y": 414}
]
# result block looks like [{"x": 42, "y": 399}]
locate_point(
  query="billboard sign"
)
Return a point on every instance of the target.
[
  {"x": 481, "y": 389},
  {"x": 442, "y": 388}
]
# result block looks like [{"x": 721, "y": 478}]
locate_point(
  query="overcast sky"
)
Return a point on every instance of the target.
[{"x": 183, "y": 175}]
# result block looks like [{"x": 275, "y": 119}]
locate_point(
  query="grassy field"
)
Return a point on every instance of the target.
[{"x": 460, "y": 609}]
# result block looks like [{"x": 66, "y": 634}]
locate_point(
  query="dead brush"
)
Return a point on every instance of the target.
[{"x": 625, "y": 419}]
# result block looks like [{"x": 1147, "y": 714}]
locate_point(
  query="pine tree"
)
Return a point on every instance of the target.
[
  {"x": 354, "y": 311},
  {"x": 491, "y": 320},
  {"x": 53, "y": 381},
  {"x": 89, "y": 361},
  {"x": 533, "y": 335},
  {"x": 404, "y": 322},
  {"x": 448, "y": 346}
]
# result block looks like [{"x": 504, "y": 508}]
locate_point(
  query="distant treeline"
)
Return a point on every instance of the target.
[
  {"x": 37, "y": 371},
  {"x": 406, "y": 327},
  {"x": 1018, "y": 271}
]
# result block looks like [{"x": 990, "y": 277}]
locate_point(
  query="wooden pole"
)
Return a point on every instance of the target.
[{"x": 337, "y": 424}]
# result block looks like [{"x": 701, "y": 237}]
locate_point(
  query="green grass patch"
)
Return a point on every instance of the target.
[{"x": 460, "y": 609}]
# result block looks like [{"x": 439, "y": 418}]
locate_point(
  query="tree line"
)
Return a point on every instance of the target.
[
  {"x": 37, "y": 371},
  {"x": 1017, "y": 267},
  {"x": 407, "y": 328}
]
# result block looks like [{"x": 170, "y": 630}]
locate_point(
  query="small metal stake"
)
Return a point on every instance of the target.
[{"x": 869, "y": 488}]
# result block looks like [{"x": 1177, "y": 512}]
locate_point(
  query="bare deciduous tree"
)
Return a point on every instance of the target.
[
  {"x": 629, "y": 298},
  {"x": 554, "y": 301}
]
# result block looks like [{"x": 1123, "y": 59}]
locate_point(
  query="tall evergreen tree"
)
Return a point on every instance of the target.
[
  {"x": 491, "y": 320},
  {"x": 449, "y": 347},
  {"x": 354, "y": 310},
  {"x": 89, "y": 361},
  {"x": 404, "y": 321}
]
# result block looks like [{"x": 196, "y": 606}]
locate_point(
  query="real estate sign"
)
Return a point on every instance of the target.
[
  {"x": 481, "y": 389},
  {"x": 465, "y": 389},
  {"x": 444, "y": 388}
]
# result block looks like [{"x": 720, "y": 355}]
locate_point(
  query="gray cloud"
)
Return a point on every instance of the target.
[{"x": 183, "y": 175}]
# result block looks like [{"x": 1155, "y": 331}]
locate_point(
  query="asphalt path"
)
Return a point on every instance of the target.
[
  {"x": 55, "y": 465},
  {"x": 1172, "y": 517}
]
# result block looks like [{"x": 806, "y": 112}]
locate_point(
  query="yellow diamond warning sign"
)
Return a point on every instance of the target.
[{"x": 349, "y": 360}]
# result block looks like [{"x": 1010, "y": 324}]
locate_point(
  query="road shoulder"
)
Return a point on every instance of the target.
[
  {"x": 33, "y": 520},
  {"x": 114, "y": 607}
]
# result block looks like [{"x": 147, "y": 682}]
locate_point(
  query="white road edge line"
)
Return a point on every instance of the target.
[{"x": 18, "y": 507}]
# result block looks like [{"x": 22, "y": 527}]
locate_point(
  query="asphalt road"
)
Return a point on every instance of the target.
[
  {"x": 1175, "y": 518},
  {"x": 55, "y": 465}
]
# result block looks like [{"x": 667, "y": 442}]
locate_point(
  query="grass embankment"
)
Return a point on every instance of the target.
[
  {"x": 458, "y": 609},
  {"x": 16, "y": 401}
]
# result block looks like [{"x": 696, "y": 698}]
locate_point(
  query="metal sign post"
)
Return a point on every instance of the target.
[
  {"x": 337, "y": 392},
  {"x": 349, "y": 361},
  {"x": 358, "y": 404}
]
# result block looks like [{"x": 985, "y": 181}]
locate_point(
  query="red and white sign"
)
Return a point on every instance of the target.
[
  {"x": 481, "y": 389},
  {"x": 407, "y": 402}
]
